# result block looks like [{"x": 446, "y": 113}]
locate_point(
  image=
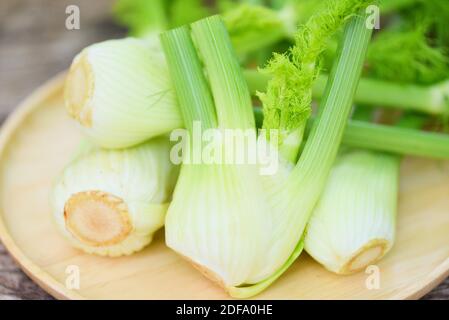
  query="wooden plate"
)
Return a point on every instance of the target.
[{"x": 37, "y": 141}]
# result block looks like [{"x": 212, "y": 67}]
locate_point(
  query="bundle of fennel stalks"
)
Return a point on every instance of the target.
[{"x": 239, "y": 227}]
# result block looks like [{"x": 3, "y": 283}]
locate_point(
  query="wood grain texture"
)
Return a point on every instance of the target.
[
  {"x": 14, "y": 284},
  {"x": 35, "y": 46},
  {"x": 439, "y": 293}
]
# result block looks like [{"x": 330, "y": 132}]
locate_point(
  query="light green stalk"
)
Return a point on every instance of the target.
[
  {"x": 231, "y": 94},
  {"x": 404, "y": 141},
  {"x": 319, "y": 153},
  {"x": 188, "y": 79},
  {"x": 425, "y": 99}
]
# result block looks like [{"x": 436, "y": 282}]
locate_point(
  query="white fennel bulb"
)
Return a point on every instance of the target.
[
  {"x": 210, "y": 226},
  {"x": 353, "y": 224},
  {"x": 241, "y": 229},
  {"x": 110, "y": 202},
  {"x": 120, "y": 92}
]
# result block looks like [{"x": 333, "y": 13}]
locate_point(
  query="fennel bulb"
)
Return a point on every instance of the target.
[
  {"x": 110, "y": 202},
  {"x": 353, "y": 224},
  {"x": 233, "y": 227},
  {"x": 120, "y": 92}
]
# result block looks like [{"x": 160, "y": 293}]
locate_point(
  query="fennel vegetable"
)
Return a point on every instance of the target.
[
  {"x": 245, "y": 241},
  {"x": 110, "y": 202},
  {"x": 120, "y": 92},
  {"x": 215, "y": 224},
  {"x": 353, "y": 224}
]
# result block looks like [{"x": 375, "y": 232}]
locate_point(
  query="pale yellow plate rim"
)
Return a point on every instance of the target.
[{"x": 42, "y": 278}]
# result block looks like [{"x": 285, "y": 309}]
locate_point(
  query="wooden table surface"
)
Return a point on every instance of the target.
[{"x": 34, "y": 46}]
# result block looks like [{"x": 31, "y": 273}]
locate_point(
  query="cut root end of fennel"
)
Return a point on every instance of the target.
[
  {"x": 79, "y": 90},
  {"x": 97, "y": 218},
  {"x": 110, "y": 202},
  {"x": 208, "y": 273},
  {"x": 367, "y": 255}
]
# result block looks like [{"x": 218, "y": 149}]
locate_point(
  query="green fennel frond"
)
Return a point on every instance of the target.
[
  {"x": 187, "y": 11},
  {"x": 406, "y": 56},
  {"x": 288, "y": 96},
  {"x": 435, "y": 14},
  {"x": 253, "y": 26},
  {"x": 141, "y": 16},
  {"x": 388, "y": 6}
]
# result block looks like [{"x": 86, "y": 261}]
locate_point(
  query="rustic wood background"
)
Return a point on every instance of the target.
[{"x": 34, "y": 46}]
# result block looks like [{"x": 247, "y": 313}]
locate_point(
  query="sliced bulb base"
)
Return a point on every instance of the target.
[
  {"x": 208, "y": 273},
  {"x": 97, "y": 218},
  {"x": 369, "y": 254},
  {"x": 79, "y": 89}
]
